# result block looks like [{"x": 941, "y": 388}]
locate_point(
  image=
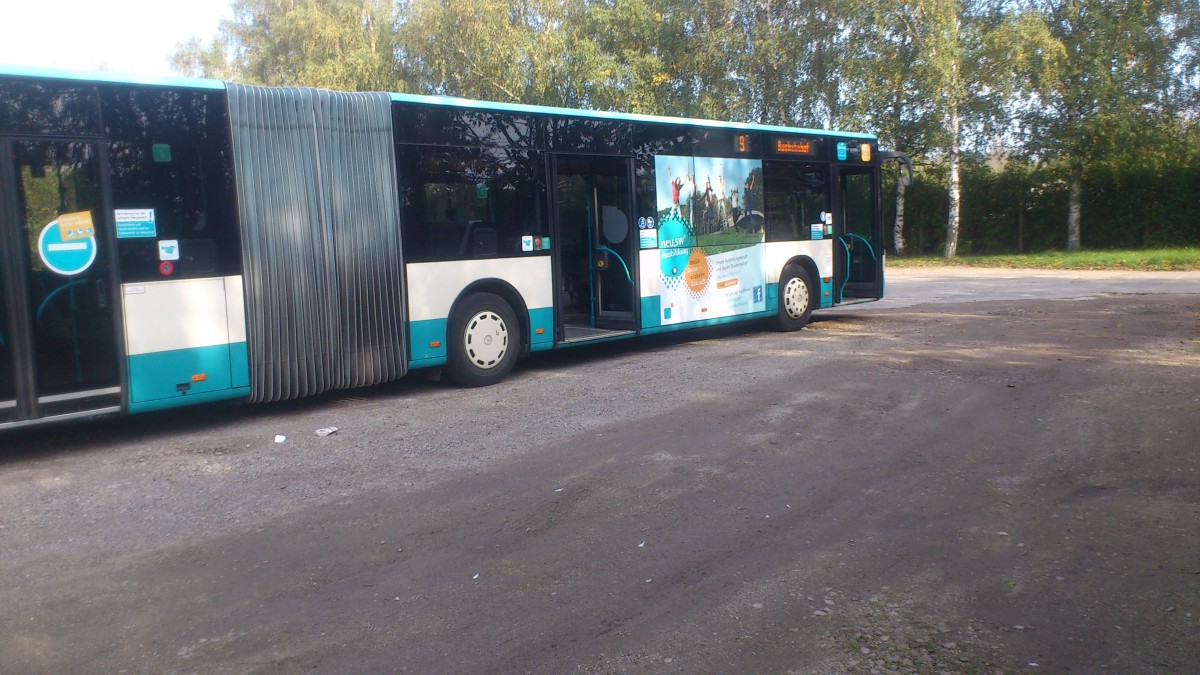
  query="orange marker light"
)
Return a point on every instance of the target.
[{"x": 199, "y": 377}]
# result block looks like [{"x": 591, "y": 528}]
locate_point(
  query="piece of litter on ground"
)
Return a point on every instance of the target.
[
  {"x": 476, "y": 576},
  {"x": 559, "y": 490},
  {"x": 1002, "y": 533},
  {"x": 643, "y": 544},
  {"x": 325, "y": 431},
  {"x": 279, "y": 438},
  {"x": 649, "y": 580}
]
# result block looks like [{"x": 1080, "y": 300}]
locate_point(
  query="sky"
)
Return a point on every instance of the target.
[{"x": 130, "y": 37}]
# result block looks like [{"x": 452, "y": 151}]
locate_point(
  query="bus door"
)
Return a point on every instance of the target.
[
  {"x": 858, "y": 251},
  {"x": 59, "y": 349},
  {"x": 595, "y": 247}
]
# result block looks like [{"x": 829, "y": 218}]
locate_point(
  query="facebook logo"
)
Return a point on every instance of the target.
[{"x": 758, "y": 294}]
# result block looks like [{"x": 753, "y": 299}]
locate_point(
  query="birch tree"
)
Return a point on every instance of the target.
[{"x": 1109, "y": 74}]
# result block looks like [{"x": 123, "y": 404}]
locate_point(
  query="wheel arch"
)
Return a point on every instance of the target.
[
  {"x": 506, "y": 292},
  {"x": 806, "y": 262}
]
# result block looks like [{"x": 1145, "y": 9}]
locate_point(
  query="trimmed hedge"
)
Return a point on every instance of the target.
[{"x": 1024, "y": 208}]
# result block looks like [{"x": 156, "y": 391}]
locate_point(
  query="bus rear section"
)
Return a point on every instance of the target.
[{"x": 120, "y": 288}]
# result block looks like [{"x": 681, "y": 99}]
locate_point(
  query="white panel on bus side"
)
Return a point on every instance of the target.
[
  {"x": 779, "y": 252},
  {"x": 166, "y": 315},
  {"x": 433, "y": 287},
  {"x": 235, "y": 309},
  {"x": 651, "y": 280}
]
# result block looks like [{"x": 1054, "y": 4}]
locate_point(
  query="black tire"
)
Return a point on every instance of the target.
[
  {"x": 484, "y": 339},
  {"x": 795, "y": 299}
]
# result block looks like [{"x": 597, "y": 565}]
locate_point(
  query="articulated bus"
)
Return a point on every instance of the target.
[{"x": 173, "y": 242}]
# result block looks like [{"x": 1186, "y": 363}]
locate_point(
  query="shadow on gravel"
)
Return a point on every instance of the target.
[{"x": 102, "y": 433}]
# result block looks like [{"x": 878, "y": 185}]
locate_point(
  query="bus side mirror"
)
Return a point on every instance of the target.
[{"x": 906, "y": 175}]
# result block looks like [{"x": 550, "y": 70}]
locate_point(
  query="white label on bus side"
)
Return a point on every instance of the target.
[{"x": 135, "y": 290}]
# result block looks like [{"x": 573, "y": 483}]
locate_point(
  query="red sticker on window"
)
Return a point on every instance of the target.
[{"x": 166, "y": 268}]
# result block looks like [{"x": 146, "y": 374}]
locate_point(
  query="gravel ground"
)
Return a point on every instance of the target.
[{"x": 982, "y": 487}]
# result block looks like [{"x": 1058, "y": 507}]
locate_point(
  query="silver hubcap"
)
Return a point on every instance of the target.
[
  {"x": 795, "y": 298},
  {"x": 486, "y": 338}
]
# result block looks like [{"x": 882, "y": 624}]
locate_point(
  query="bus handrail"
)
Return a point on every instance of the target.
[
  {"x": 619, "y": 259},
  {"x": 846, "y": 279}
]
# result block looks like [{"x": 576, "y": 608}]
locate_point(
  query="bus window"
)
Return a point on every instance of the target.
[
  {"x": 464, "y": 127},
  {"x": 797, "y": 200},
  {"x": 573, "y": 134},
  {"x": 464, "y": 203},
  {"x": 171, "y": 182},
  {"x": 48, "y": 108}
]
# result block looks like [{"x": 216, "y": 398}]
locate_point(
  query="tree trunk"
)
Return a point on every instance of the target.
[
  {"x": 1074, "y": 205},
  {"x": 898, "y": 228},
  {"x": 1021, "y": 229},
  {"x": 953, "y": 188}
]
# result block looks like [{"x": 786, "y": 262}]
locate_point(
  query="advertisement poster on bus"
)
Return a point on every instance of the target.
[{"x": 710, "y": 237}]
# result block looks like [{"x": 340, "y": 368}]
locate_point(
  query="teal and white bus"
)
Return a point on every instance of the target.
[{"x": 173, "y": 242}]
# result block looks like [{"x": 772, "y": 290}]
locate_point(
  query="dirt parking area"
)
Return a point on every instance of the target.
[{"x": 1002, "y": 486}]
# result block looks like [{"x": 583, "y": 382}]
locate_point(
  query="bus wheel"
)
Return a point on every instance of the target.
[
  {"x": 795, "y": 299},
  {"x": 484, "y": 338}
]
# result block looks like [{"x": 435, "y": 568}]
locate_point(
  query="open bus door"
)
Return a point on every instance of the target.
[
  {"x": 59, "y": 348},
  {"x": 595, "y": 247},
  {"x": 858, "y": 251}
]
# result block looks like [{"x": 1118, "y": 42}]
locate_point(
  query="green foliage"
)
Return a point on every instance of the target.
[
  {"x": 1157, "y": 260},
  {"x": 488, "y": 49},
  {"x": 1131, "y": 201},
  {"x": 336, "y": 44},
  {"x": 1066, "y": 88}
]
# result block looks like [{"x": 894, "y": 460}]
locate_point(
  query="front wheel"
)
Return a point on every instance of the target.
[
  {"x": 484, "y": 338},
  {"x": 795, "y": 299}
]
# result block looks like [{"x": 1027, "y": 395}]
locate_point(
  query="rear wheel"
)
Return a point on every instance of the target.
[
  {"x": 484, "y": 338},
  {"x": 795, "y": 299}
]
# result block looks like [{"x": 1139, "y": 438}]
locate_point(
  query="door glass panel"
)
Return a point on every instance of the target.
[
  {"x": 858, "y": 203},
  {"x": 7, "y": 386},
  {"x": 67, "y": 274},
  {"x": 614, "y": 254},
  {"x": 596, "y": 242}
]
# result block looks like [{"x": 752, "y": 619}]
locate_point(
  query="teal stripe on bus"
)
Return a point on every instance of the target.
[
  {"x": 421, "y": 337},
  {"x": 651, "y": 311},
  {"x": 542, "y": 318},
  {"x": 114, "y": 78},
  {"x": 826, "y": 299},
  {"x": 453, "y": 102},
  {"x": 190, "y": 399},
  {"x": 239, "y": 364},
  {"x": 708, "y": 322},
  {"x": 184, "y": 373}
]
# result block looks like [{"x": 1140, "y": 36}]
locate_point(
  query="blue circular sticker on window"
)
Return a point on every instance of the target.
[{"x": 68, "y": 245}]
